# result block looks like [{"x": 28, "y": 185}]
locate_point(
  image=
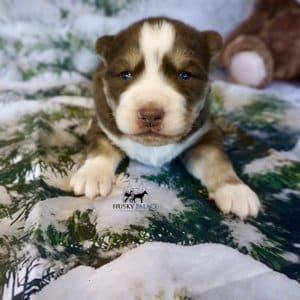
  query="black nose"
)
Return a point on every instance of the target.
[{"x": 151, "y": 116}]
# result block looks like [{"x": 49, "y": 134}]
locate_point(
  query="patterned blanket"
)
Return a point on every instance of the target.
[{"x": 45, "y": 231}]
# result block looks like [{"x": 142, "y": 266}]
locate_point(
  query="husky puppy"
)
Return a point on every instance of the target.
[{"x": 152, "y": 105}]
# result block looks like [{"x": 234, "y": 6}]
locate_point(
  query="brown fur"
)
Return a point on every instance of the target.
[
  {"x": 275, "y": 24},
  {"x": 192, "y": 51},
  {"x": 99, "y": 144},
  {"x": 205, "y": 158},
  {"x": 217, "y": 168},
  {"x": 103, "y": 111},
  {"x": 248, "y": 43}
]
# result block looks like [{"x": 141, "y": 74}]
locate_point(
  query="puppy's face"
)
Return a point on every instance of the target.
[{"x": 156, "y": 78}]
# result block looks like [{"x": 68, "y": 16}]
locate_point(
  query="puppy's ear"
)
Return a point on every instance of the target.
[
  {"x": 103, "y": 45},
  {"x": 214, "y": 42}
]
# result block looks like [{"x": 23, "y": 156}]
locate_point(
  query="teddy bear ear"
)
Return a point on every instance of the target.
[
  {"x": 103, "y": 45},
  {"x": 214, "y": 42}
]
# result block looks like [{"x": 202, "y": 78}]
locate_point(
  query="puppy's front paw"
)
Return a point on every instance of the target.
[
  {"x": 238, "y": 199},
  {"x": 94, "y": 178}
]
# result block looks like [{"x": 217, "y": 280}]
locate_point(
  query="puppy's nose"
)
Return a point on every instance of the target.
[{"x": 151, "y": 116}]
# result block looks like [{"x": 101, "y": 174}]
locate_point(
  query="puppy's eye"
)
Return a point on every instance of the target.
[
  {"x": 184, "y": 75},
  {"x": 126, "y": 75}
]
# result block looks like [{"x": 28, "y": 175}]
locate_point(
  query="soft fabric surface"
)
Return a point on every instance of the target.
[
  {"x": 46, "y": 60},
  {"x": 206, "y": 271}
]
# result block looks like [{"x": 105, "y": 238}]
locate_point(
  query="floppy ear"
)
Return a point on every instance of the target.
[
  {"x": 103, "y": 45},
  {"x": 214, "y": 42}
]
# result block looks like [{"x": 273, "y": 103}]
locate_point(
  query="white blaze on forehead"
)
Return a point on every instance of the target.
[{"x": 155, "y": 41}]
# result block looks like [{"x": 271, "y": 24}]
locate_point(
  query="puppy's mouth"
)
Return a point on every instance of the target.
[
  {"x": 154, "y": 138},
  {"x": 153, "y": 133}
]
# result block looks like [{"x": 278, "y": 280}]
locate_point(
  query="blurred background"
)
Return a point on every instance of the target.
[
  {"x": 50, "y": 43},
  {"x": 52, "y": 35}
]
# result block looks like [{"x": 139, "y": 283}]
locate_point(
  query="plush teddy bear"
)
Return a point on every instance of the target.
[{"x": 266, "y": 45}]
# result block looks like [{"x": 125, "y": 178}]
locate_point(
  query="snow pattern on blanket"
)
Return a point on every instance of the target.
[
  {"x": 185, "y": 272},
  {"x": 46, "y": 59}
]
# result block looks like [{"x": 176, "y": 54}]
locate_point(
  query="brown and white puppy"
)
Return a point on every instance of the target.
[{"x": 151, "y": 99}]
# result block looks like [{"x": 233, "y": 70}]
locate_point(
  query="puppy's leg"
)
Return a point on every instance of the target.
[
  {"x": 96, "y": 176},
  {"x": 208, "y": 162}
]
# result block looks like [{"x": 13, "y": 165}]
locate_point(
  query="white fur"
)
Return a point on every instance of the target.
[
  {"x": 154, "y": 156},
  {"x": 152, "y": 87},
  {"x": 95, "y": 177},
  {"x": 248, "y": 68},
  {"x": 238, "y": 199},
  {"x": 109, "y": 100}
]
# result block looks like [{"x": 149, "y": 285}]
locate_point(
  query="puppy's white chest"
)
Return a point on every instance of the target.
[{"x": 154, "y": 156}]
